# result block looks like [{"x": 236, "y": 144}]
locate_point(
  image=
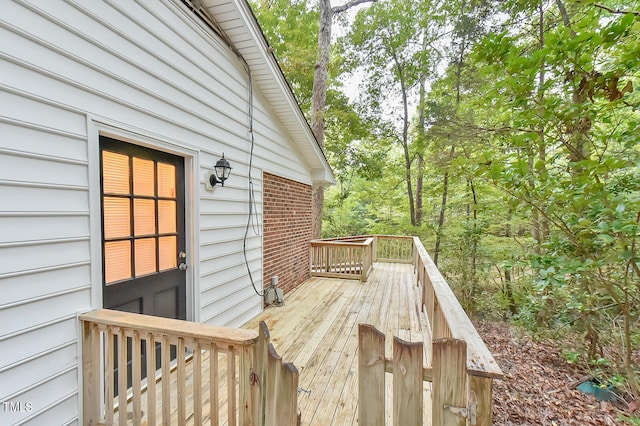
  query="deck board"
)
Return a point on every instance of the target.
[
  {"x": 317, "y": 330},
  {"x": 324, "y": 344}
]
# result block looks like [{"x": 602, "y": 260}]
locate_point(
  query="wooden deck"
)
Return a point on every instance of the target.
[{"x": 317, "y": 330}]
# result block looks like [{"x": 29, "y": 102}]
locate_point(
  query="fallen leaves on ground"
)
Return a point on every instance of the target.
[{"x": 539, "y": 384}]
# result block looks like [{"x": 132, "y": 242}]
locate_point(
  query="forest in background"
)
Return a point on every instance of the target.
[{"x": 505, "y": 134}]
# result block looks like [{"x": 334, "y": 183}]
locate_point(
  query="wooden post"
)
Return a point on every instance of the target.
[
  {"x": 407, "y": 383},
  {"x": 482, "y": 387},
  {"x": 274, "y": 365},
  {"x": 246, "y": 385},
  {"x": 371, "y": 369},
  {"x": 258, "y": 392},
  {"x": 91, "y": 374},
  {"x": 450, "y": 386},
  {"x": 287, "y": 403}
]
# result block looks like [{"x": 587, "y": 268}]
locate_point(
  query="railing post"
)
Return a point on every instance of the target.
[
  {"x": 371, "y": 369},
  {"x": 247, "y": 399},
  {"x": 287, "y": 403},
  {"x": 375, "y": 249},
  {"x": 450, "y": 385},
  {"x": 91, "y": 374},
  {"x": 482, "y": 387},
  {"x": 274, "y": 365},
  {"x": 259, "y": 380}
]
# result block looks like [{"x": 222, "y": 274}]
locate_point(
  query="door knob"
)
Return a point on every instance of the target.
[{"x": 183, "y": 266}]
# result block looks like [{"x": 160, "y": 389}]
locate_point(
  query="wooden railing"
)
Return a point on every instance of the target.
[
  {"x": 342, "y": 258},
  {"x": 394, "y": 249},
  {"x": 450, "y": 324},
  {"x": 462, "y": 368},
  {"x": 259, "y": 389}
]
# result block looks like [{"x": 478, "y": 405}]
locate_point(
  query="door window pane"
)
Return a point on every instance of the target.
[
  {"x": 143, "y": 177},
  {"x": 117, "y": 220},
  {"x": 115, "y": 173},
  {"x": 166, "y": 180},
  {"x": 145, "y": 216},
  {"x": 168, "y": 253},
  {"x": 145, "y": 255},
  {"x": 166, "y": 217},
  {"x": 117, "y": 261}
]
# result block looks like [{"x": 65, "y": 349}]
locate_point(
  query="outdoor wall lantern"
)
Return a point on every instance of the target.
[{"x": 220, "y": 173}]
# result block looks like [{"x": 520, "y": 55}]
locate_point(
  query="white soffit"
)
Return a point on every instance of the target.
[{"x": 239, "y": 24}]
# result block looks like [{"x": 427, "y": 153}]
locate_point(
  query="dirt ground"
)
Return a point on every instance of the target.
[{"x": 539, "y": 384}]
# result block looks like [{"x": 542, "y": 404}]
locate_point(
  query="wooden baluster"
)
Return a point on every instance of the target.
[
  {"x": 213, "y": 386},
  {"x": 108, "y": 374},
  {"x": 288, "y": 394},
  {"x": 197, "y": 383},
  {"x": 181, "y": 381},
  {"x": 231, "y": 385},
  {"x": 371, "y": 372},
  {"x": 122, "y": 377},
  {"x": 151, "y": 379},
  {"x": 166, "y": 380},
  {"x": 407, "y": 383},
  {"x": 274, "y": 365},
  {"x": 136, "y": 382}
]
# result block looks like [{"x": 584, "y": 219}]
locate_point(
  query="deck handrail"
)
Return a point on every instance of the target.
[
  {"x": 454, "y": 337},
  {"x": 351, "y": 257},
  {"x": 266, "y": 387},
  {"x": 448, "y": 318},
  {"x": 445, "y": 314}
]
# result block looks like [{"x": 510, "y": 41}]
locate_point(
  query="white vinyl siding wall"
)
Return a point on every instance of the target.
[{"x": 143, "y": 67}]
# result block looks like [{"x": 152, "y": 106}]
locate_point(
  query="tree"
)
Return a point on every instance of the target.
[
  {"x": 568, "y": 92},
  {"x": 319, "y": 96},
  {"x": 391, "y": 44}
]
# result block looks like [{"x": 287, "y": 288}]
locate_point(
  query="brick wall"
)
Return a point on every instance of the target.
[{"x": 287, "y": 231}]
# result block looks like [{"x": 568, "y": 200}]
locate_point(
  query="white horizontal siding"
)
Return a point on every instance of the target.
[
  {"x": 143, "y": 67},
  {"x": 42, "y": 226},
  {"x": 26, "y": 287},
  {"x": 41, "y": 311},
  {"x": 46, "y": 397},
  {"x": 33, "y": 369},
  {"x": 23, "y": 344},
  {"x": 40, "y": 140}
]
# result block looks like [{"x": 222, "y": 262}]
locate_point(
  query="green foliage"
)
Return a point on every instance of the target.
[{"x": 533, "y": 122}]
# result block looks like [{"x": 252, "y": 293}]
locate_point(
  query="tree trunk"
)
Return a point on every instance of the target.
[
  {"x": 508, "y": 284},
  {"x": 405, "y": 142},
  {"x": 319, "y": 94},
  {"x": 474, "y": 244},
  {"x": 318, "y": 103},
  {"x": 443, "y": 208},
  {"x": 422, "y": 141}
]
